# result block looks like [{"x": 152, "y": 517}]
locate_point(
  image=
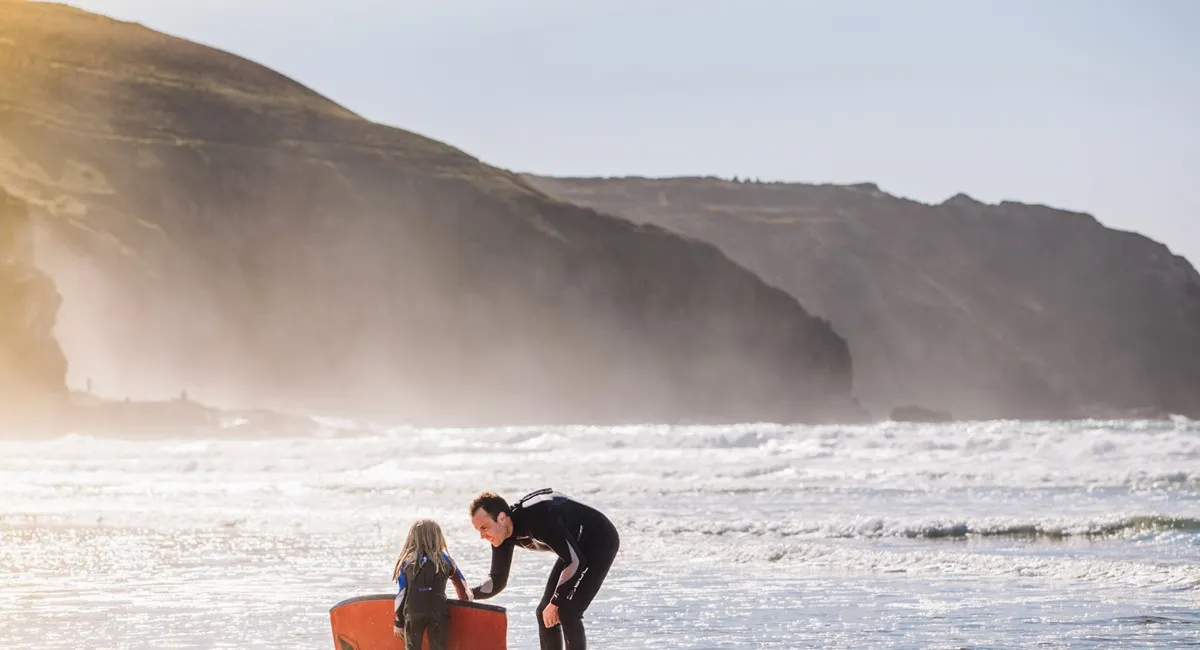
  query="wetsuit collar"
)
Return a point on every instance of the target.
[{"x": 516, "y": 513}]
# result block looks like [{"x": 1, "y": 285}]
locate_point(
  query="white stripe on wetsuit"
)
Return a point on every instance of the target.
[{"x": 568, "y": 571}]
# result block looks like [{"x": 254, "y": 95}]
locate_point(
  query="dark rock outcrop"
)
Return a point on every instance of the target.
[
  {"x": 32, "y": 366},
  {"x": 986, "y": 311},
  {"x": 911, "y": 413},
  {"x": 220, "y": 227}
]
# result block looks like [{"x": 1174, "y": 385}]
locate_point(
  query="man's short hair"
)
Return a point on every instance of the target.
[{"x": 490, "y": 502}]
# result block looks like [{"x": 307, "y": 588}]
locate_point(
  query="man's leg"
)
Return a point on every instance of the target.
[
  {"x": 550, "y": 638},
  {"x": 583, "y": 591}
]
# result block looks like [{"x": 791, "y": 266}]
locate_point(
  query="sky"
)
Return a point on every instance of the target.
[{"x": 1088, "y": 105}]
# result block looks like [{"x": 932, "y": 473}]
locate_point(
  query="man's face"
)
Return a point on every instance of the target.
[{"x": 494, "y": 530}]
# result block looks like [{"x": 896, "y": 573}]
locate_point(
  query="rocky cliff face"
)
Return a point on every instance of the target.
[
  {"x": 32, "y": 367},
  {"x": 218, "y": 227},
  {"x": 986, "y": 311}
]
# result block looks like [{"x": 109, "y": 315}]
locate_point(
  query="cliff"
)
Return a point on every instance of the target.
[
  {"x": 32, "y": 366},
  {"x": 218, "y": 227},
  {"x": 985, "y": 311}
]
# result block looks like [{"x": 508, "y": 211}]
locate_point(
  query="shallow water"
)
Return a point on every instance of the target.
[{"x": 1055, "y": 535}]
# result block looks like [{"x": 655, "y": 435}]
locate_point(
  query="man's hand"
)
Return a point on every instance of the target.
[
  {"x": 398, "y": 632},
  {"x": 550, "y": 615}
]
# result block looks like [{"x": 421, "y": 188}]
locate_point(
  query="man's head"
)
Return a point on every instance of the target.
[{"x": 489, "y": 516}]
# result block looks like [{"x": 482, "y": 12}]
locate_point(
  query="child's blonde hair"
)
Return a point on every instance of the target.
[{"x": 424, "y": 538}]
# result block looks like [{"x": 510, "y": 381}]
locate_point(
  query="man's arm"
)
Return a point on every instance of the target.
[
  {"x": 566, "y": 545},
  {"x": 498, "y": 575}
]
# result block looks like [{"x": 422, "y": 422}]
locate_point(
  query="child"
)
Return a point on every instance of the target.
[{"x": 421, "y": 573}]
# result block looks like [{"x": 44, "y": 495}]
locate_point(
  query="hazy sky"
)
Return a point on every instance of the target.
[{"x": 1092, "y": 105}]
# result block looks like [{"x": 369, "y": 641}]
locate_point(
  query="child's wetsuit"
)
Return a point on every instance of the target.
[{"x": 421, "y": 601}]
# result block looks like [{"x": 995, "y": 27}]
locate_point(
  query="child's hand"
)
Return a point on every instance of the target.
[{"x": 398, "y": 632}]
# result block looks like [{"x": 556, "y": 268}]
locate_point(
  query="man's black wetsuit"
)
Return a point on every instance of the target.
[{"x": 586, "y": 543}]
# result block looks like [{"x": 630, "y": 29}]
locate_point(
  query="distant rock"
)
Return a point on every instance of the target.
[
  {"x": 871, "y": 188},
  {"x": 1147, "y": 413},
  {"x": 919, "y": 414},
  {"x": 33, "y": 368},
  {"x": 963, "y": 201},
  {"x": 1104, "y": 412},
  {"x": 1010, "y": 310},
  {"x": 128, "y": 418}
]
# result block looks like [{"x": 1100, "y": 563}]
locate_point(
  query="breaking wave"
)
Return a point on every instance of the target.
[{"x": 874, "y": 528}]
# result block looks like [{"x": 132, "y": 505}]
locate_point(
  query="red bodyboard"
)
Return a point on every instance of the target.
[{"x": 365, "y": 623}]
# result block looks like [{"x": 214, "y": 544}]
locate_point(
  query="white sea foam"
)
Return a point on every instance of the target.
[{"x": 756, "y": 535}]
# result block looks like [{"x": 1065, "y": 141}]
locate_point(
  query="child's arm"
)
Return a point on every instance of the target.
[
  {"x": 456, "y": 576},
  {"x": 398, "y": 622}
]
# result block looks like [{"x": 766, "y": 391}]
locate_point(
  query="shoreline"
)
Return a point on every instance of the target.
[{"x": 128, "y": 418}]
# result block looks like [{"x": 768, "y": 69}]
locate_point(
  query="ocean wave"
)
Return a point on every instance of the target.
[
  {"x": 1074, "y": 438},
  {"x": 874, "y": 528},
  {"x": 826, "y": 557}
]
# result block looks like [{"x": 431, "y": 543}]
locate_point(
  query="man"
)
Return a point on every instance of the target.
[{"x": 584, "y": 540}]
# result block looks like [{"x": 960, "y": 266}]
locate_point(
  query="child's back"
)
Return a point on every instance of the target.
[{"x": 421, "y": 573}]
